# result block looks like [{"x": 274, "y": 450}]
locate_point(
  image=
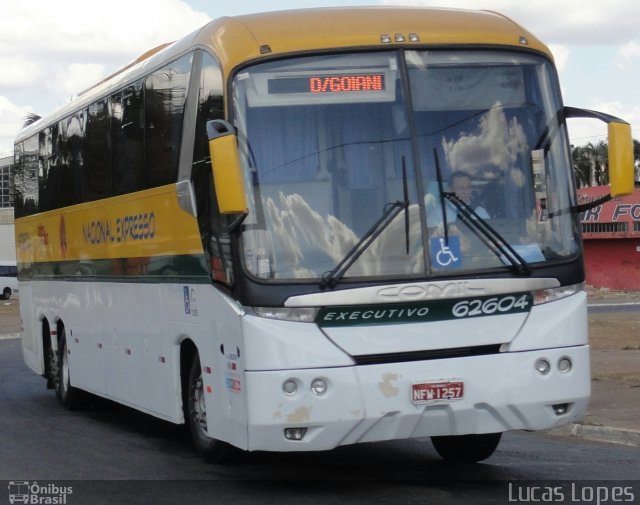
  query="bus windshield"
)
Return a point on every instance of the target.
[{"x": 330, "y": 143}]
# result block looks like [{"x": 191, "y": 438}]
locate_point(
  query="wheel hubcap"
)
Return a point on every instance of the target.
[
  {"x": 199, "y": 410},
  {"x": 65, "y": 369}
]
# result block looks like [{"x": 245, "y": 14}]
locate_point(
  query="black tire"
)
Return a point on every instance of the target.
[
  {"x": 214, "y": 451},
  {"x": 70, "y": 397},
  {"x": 466, "y": 448},
  {"x": 6, "y": 293}
]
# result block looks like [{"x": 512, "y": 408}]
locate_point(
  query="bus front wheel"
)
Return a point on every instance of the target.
[
  {"x": 6, "y": 293},
  {"x": 466, "y": 448},
  {"x": 213, "y": 450}
]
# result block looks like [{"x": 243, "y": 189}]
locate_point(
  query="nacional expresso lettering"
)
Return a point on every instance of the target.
[{"x": 129, "y": 228}]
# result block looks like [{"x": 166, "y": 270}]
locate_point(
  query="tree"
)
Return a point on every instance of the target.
[
  {"x": 636, "y": 161},
  {"x": 30, "y": 118},
  {"x": 591, "y": 164},
  {"x": 582, "y": 166},
  {"x": 600, "y": 162}
]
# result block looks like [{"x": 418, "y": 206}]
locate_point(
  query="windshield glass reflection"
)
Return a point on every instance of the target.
[{"x": 325, "y": 139}]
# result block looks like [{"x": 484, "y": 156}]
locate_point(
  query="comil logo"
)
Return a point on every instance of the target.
[{"x": 21, "y": 491}]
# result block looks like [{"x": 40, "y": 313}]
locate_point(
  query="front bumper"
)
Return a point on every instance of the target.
[{"x": 372, "y": 403}]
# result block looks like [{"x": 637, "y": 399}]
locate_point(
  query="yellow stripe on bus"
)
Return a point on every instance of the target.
[{"x": 143, "y": 224}]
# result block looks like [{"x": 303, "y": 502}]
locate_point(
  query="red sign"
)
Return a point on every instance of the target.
[{"x": 617, "y": 218}]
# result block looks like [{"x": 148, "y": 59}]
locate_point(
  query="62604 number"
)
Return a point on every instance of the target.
[{"x": 484, "y": 307}]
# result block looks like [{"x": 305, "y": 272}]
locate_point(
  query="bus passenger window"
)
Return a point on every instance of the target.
[
  {"x": 164, "y": 96},
  {"x": 127, "y": 134},
  {"x": 97, "y": 181}
]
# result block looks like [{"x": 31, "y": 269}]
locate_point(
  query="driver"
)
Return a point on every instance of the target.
[{"x": 460, "y": 184}]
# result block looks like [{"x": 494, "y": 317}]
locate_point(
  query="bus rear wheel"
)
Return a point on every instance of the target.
[
  {"x": 69, "y": 396},
  {"x": 213, "y": 450},
  {"x": 466, "y": 448},
  {"x": 6, "y": 293}
]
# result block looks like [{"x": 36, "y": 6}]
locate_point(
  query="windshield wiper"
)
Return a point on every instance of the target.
[
  {"x": 330, "y": 279},
  {"x": 441, "y": 193},
  {"x": 391, "y": 210},
  {"x": 501, "y": 247}
]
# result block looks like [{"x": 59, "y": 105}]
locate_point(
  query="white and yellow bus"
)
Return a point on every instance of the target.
[{"x": 304, "y": 229}]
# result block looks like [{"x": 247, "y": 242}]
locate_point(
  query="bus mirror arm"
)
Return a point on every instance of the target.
[
  {"x": 579, "y": 209},
  {"x": 226, "y": 168},
  {"x": 621, "y": 169}
]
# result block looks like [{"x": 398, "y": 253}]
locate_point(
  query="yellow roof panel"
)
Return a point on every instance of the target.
[{"x": 240, "y": 38}]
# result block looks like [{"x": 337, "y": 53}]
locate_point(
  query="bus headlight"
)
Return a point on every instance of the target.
[
  {"x": 550, "y": 295},
  {"x": 298, "y": 314}
]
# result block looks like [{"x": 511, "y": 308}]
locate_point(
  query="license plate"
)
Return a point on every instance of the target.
[{"x": 426, "y": 392}]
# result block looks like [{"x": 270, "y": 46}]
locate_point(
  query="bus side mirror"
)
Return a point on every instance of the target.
[
  {"x": 621, "y": 170},
  {"x": 226, "y": 168}
]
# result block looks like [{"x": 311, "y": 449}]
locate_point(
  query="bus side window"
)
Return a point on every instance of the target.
[
  {"x": 74, "y": 176},
  {"x": 164, "y": 96},
  {"x": 26, "y": 178},
  {"x": 97, "y": 181},
  {"x": 127, "y": 139},
  {"x": 213, "y": 225}
]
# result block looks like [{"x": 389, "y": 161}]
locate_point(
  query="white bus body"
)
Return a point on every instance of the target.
[{"x": 254, "y": 231}]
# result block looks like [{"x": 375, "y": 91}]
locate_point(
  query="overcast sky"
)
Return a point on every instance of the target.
[{"x": 53, "y": 49}]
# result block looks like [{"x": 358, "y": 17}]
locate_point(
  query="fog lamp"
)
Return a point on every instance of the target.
[
  {"x": 319, "y": 387},
  {"x": 561, "y": 409},
  {"x": 564, "y": 364},
  {"x": 295, "y": 433},
  {"x": 542, "y": 366},
  {"x": 289, "y": 387}
]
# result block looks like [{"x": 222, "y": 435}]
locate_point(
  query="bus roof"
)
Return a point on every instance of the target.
[
  {"x": 239, "y": 39},
  {"x": 285, "y": 32}
]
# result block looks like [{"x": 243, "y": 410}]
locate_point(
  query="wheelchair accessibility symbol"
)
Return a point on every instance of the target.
[{"x": 446, "y": 254}]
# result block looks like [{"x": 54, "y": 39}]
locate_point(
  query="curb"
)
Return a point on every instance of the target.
[
  {"x": 9, "y": 336},
  {"x": 606, "y": 434},
  {"x": 599, "y": 434},
  {"x": 609, "y": 303}
]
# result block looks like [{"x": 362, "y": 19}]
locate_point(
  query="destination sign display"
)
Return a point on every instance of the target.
[{"x": 341, "y": 83}]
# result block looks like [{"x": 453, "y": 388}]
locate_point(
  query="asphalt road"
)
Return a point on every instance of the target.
[{"x": 113, "y": 454}]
